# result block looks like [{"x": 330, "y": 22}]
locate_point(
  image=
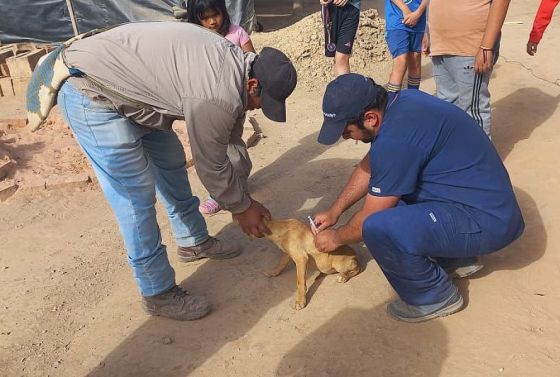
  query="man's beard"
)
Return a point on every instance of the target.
[{"x": 368, "y": 136}]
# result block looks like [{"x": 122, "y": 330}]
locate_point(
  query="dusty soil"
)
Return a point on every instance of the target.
[
  {"x": 303, "y": 42},
  {"x": 69, "y": 305},
  {"x": 50, "y": 152}
]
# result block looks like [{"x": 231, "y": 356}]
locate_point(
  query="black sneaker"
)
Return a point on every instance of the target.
[
  {"x": 212, "y": 248},
  {"x": 177, "y": 304}
]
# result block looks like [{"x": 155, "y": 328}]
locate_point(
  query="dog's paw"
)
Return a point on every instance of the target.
[
  {"x": 298, "y": 305},
  {"x": 271, "y": 273},
  {"x": 341, "y": 278}
]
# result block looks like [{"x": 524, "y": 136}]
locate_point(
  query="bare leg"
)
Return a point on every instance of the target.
[
  {"x": 341, "y": 64},
  {"x": 399, "y": 69},
  {"x": 414, "y": 69}
]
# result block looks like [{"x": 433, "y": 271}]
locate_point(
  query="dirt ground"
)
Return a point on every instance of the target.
[{"x": 69, "y": 305}]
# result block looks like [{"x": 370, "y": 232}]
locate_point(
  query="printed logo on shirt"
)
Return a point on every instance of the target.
[
  {"x": 329, "y": 115},
  {"x": 433, "y": 217},
  {"x": 374, "y": 189}
]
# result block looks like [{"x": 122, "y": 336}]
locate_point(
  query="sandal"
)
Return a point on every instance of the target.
[{"x": 209, "y": 207}]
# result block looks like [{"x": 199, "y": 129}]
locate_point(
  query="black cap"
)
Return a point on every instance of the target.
[
  {"x": 278, "y": 78},
  {"x": 345, "y": 98}
]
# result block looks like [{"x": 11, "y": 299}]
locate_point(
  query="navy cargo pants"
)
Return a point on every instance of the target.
[{"x": 403, "y": 240}]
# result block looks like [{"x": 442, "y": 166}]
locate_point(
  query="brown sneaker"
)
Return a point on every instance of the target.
[
  {"x": 176, "y": 304},
  {"x": 212, "y": 248}
]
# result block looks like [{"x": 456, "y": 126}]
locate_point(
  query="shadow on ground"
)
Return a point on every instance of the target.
[
  {"x": 529, "y": 248},
  {"x": 235, "y": 287},
  {"x": 355, "y": 342},
  {"x": 366, "y": 342},
  {"x": 508, "y": 130},
  {"x": 21, "y": 153}
]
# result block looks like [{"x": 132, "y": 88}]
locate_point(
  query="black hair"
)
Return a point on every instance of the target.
[
  {"x": 197, "y": 8},
  {"x": 380, "y": 100},
  {"x": 378, "y": 103}
]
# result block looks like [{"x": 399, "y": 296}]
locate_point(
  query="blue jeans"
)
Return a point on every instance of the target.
[
  {"x": 403, "y": 240},
  {"x": 133, "y": 164}
]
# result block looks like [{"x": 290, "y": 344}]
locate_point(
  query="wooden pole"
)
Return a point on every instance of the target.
[{"x": 72, "y": 16}]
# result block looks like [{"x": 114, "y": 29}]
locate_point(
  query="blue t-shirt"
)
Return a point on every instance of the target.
[
  {"x": 394, "y": 16},
  {"x": 428, "y": 150}
]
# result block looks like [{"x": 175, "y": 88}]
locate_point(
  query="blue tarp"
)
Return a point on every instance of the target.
[{"x": 48, "y": 21}]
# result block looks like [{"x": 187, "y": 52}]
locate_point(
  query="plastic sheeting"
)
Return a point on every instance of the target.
[
  {"x": 242, "y": 13},
  {"x": 48, "y": 21}
]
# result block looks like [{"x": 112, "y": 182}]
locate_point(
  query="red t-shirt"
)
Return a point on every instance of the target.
[{"x": 542, "y": 19}]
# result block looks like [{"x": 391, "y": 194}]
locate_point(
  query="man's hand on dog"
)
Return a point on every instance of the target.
[
  {"x": 324, "y": 220},
  {"x": 251, "y": 220},
  {"x": 327, "y": 241}
]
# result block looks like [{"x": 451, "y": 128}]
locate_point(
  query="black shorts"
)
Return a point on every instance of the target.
[{"x": 345, "y": 22}]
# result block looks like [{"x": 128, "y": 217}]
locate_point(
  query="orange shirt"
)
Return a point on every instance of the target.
[{"x": 457, "y": 26}]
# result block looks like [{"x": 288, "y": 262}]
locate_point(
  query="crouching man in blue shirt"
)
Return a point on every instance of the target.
[{"x": 436, "y": 192}]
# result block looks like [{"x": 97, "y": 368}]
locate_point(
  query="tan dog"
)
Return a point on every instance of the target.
[{"x": 296, "y": 240}]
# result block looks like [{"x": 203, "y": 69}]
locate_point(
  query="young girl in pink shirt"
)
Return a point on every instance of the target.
[{"x": 213, "y": 15}]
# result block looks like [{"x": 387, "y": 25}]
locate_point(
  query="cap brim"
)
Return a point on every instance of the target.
[
  {"x": 272, "y": 108},
  {"x": 331, "y": 131}
]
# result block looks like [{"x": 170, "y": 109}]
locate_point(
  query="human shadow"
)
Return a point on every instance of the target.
[
  {"x": 510, "y": 125},
  {"x": 22, "y": 154},
  {"x": 316, "y": 181},
  {"x": 367, "y": 342},
  {"x": 238, "y": 290}
]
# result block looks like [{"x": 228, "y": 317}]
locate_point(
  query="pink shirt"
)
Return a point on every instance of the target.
[{"x": 237, "y": 35}]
